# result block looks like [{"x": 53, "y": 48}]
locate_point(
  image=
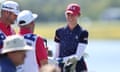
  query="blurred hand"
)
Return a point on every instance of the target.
[
  {"x": 70, "y": 64},
  {"x": 72, "y": 60}
]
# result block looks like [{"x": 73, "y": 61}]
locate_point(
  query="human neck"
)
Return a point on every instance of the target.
[
  {"x": 24, "y": 30},
  {"x": 72, "y": 25},
  {"x": 4, "y": 21}
]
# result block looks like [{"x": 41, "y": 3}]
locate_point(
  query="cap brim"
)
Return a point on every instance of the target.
[
  {"x": 68, "y": 12},
  {"x": 7, "y": 50},
  {"x": 34, "y": 16},
  {"x": 16, "y": 12}
]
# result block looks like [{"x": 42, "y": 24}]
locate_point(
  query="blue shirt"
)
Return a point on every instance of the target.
[
  {"x": 69, "y": 39},
  {"x": 6, "y": 65}
]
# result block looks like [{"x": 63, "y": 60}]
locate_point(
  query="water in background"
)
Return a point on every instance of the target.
[{"x": 103, "y": 55}]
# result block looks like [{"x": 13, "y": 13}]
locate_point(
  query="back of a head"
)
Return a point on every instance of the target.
[
  {"x": 25, "y": 17},
  {"x": 50, "y": 68}
]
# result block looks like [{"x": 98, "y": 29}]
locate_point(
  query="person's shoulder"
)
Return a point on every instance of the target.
[
  {"x": 6, "y": 64},
  {"x": 34, "y": 34},
  {"x": 61, "y": 29},
  {"x": 85, "y": 32},
  {"x": 82, "y": 29},
  {"x": 29, "y": 34},
  {"x": 4, "y": 67},
  {"x": 39, "y": 38}
]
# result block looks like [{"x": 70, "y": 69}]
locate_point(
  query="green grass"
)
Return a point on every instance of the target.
[{"x": 97, "y": 30}]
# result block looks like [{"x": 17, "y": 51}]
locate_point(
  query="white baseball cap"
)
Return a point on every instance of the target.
[
  {"x": 11, "y": 6},
  {"x": 25, "y": 17},
  {"x": 14, "y": 43}
]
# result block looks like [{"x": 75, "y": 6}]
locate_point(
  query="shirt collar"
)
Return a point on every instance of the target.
[
  {"x": 3, "y": 25},
  {"x": 24, "y": 31},
  {"x": 6, "y": 29},
  {"x": 75, "y": 28}
]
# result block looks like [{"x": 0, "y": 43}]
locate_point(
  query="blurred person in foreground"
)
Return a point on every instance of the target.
[
  {"x": 50, "y": 68},
  {"x": 9, "y": 12},
  {"x": 71, "y": 42},
  {"x": 13, "y": 53},
  {"x": 38, "y": 57}
]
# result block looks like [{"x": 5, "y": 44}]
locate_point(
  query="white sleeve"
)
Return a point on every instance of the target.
[
  {"x": 79, "y": 52},
  {"x": 56, "y": 54}
]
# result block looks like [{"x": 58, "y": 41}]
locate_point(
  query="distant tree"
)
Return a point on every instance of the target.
[{"x": 53, "y": 10}]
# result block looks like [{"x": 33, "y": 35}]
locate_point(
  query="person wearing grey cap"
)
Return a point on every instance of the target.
[
  {"x": 13, "y": 53},
  {"x": 9, "y": 11}
]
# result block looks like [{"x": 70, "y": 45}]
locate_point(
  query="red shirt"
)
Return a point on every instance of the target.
[
  {"x": 41, "y": 52},
  {"x": 7, "y": 30}
]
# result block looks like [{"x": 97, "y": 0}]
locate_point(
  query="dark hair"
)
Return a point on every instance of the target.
[{"x": 22, "y": 22}]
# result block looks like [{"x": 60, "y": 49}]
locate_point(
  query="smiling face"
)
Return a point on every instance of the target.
[
  {"x": 8, "y": 16},
  {"x": 71, "y": 18},
  {"x": 12, "y": 18}
]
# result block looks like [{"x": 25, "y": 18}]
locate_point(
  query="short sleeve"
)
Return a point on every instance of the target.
[
  {"x": 84, "y": 37},
  {"x": 41, "y": 51},
  {"x": 57, "y": 36}
]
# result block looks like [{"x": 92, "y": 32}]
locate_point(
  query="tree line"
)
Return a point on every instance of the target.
[{"x": 53, "y": 10}]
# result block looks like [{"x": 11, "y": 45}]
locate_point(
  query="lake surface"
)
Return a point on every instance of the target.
[{"x": 103, "y": 55}]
